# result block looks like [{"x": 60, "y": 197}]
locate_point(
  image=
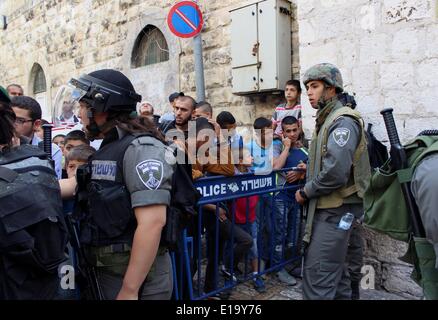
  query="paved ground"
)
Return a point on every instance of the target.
[{"x": 278, "y": 291}]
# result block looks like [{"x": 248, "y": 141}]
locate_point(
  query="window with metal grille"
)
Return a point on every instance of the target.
[
  {"x": 39, "y": 82},
  {"x": 149, "y": 48}
]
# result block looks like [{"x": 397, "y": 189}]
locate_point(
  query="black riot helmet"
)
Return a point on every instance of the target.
[
  {"x": 107, "y": 90},
  {"x": 104, "y": 90}
]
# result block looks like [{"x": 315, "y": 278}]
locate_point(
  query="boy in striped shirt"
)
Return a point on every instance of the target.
[{"x": 291, "y": 107}]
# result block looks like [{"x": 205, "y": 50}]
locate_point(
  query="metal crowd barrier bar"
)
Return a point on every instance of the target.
[{"x": 204, "y": 242}]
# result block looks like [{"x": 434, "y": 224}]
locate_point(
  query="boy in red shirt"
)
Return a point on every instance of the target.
[{"x": 245, "y": 218}]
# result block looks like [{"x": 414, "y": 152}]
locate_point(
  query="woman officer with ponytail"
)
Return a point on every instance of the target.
[{"x": 126, "y": 189}]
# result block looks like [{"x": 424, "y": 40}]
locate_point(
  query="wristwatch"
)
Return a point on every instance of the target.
[{"x": 303, "y": 194}]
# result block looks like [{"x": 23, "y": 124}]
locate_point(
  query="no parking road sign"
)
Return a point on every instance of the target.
[{"x": 185, "y": 19}]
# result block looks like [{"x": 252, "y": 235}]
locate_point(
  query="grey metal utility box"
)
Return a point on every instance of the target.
[{"x": 261, "y": 43}]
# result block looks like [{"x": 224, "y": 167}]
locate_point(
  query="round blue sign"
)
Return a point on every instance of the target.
[{"x": 185, "y": 19}]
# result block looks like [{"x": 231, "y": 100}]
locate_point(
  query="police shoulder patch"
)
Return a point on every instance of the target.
[
  {"x": 341, "y": 136},
  {"x": 150, "y": 173}
]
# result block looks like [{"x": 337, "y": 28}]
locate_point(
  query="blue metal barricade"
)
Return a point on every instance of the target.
[{"x": 207, "y": 264}]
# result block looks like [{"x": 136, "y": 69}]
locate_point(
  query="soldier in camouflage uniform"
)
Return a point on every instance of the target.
[{"x": 337, "y": 176}]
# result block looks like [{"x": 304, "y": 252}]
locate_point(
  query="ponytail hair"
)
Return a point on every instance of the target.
[{"x": 134, "y": 124}]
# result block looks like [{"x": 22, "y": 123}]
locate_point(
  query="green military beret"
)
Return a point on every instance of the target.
[{"x": 4, "y": 96}]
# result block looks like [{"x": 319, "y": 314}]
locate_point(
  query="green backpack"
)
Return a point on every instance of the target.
[
  {"x": 385, "y": 208},
  {"x": 386, "y": 212}
]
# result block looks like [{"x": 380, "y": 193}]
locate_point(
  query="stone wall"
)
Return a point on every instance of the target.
[
  {"x": 387, "y": 52},
  {"x": 70, "y": 37}
]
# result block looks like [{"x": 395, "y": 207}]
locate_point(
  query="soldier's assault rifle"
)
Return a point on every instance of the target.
[
  {"x": 87, "y": 271},
  {"x": 399, "y": 161}
]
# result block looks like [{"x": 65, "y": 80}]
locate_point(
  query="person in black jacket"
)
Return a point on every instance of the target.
[{"x": 33, "y": 234}]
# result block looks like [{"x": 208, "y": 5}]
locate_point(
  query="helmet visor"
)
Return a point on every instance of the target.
[{"x": 66, "y": 105}]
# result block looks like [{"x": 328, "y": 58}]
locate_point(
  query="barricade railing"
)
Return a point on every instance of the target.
[{"x": 206, "y": 265}]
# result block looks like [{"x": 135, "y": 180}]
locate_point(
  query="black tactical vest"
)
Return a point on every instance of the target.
[
  {"x": 33, "y": 234},
  {"x": 110, "y": 218}
]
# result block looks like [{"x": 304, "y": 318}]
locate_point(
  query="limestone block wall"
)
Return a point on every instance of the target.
[{"x": 387, "y": 52}]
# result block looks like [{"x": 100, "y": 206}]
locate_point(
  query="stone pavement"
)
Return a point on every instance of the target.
[{"x": 279, "y": 291}]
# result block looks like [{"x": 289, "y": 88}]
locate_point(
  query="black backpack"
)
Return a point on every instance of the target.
[
  {"x": 377, "y": 151},
  {"x": 182, "y": 209},
  {"x": 33, "y": 233}
]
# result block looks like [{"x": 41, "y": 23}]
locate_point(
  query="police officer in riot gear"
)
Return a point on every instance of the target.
[
  {"x": 33, "y": 234},
  {"x": 338, "y": 173},
  {"x": 126, "y": 186}
]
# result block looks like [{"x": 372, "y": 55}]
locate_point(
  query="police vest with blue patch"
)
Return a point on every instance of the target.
[{"x": 107, "y": 215}]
